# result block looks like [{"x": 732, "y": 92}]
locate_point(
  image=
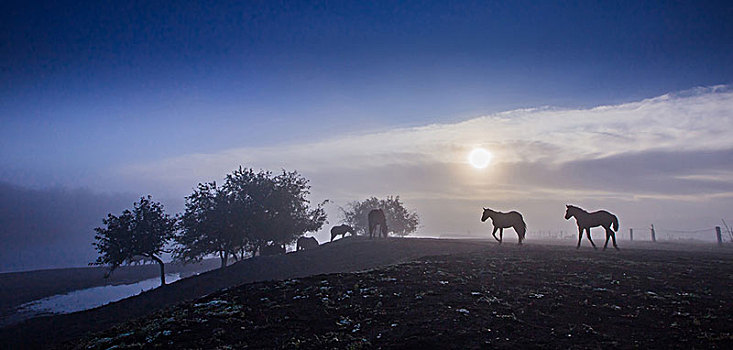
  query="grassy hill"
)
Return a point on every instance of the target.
[{"x": 422, "y": 293}]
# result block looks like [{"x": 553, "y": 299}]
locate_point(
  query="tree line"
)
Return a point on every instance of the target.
[{"x": 249, "y": 211}]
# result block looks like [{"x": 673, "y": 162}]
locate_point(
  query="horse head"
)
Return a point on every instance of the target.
[
  {"x": 569, "y": 211},
  {"x": 485, "y": 216}
]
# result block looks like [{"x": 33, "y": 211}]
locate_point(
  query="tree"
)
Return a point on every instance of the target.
[
  {"x": 400, "y": 221},
  {"x": 281, "y": 212},
  {"x": 205, "y": 226},
  {"x": 135, "y": 235},
  {"x": 250, "y": 210}
]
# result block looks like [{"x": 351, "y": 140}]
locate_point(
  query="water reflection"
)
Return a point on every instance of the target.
[{"x": 89, "y": 298}]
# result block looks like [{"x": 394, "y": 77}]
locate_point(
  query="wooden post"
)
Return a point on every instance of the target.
[
  {"x": 654, "y": 236},
  {"x": 719, "y": 235},
  {"x": 631, "y": 234}
]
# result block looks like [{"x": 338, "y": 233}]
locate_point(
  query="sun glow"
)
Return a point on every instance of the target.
[{"x": 480, "y": 158}]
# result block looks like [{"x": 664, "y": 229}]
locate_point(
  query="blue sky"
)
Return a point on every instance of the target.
[
  {"x": 89, "y": 84},
  {"x": 152, "y": 97}
]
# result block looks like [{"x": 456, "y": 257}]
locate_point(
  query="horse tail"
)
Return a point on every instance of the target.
[
  {"x": 615, "y": 223},
  {"x": 523, "y": 227}
]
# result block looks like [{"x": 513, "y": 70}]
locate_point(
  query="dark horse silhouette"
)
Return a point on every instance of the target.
[
  {"x": 505, "y": 220},
  {"x": 341, "y": 230},
  {"x": 376, "y": 217},
  {"x": 305, "y": 243},
  {"x": 587, "y": 220}
]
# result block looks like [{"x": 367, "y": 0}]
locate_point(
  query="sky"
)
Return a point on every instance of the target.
[{"x": 621, "y": 105}]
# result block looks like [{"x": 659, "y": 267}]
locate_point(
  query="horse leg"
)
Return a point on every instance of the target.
[
  {"x": 587, "y": 234},
  {"x": 613, "y": 235},
  {"x": 501, "y": 234},
  {"x": 494, "y": 233},
  {"x": 580, "y": 236},
  {"x": 608, "y": 236}
]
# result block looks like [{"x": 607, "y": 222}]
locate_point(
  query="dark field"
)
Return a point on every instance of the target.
[
  {"x": 346, "y": 255},
  {"x": 480, "y": 295}
]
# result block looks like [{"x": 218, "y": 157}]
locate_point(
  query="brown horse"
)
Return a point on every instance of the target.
[
  {"x": 305, "y": 243},
  {"x": 376, "y": 218},
  {"x": 586, "y": 220},
  {"x": 341, "y": 230},
  {"x": 505, "y": 220}
]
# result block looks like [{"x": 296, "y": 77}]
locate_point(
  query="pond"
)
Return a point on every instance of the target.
[{"x": 84, "y": 299}]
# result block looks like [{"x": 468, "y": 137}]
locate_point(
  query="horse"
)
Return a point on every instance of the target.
[
  {"x": 586, "y": 221},
  {"x": 305, "y": 243},
  {"x": 376, "y": 217},
  {"x": 501, "y": 221},
  {"x": 341, "y": 230}
]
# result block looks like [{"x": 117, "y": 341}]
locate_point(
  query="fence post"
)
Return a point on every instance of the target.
[
  {"x": 719, "y": 235},
  {"x": 654, "y": 236},
  {"x": 631, "y": 234}
]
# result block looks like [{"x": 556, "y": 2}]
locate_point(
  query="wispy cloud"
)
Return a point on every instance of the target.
[{"x": 660, "y": 148}]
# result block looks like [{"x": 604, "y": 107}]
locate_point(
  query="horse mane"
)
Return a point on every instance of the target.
[{"x": 576, "y": 207}]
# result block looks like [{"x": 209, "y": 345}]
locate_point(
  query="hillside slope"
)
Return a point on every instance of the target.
[
  {"x": 346, "y": 255},
  {"x": 499, "y": 297}
]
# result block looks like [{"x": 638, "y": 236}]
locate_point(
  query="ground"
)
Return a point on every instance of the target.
[
  {"x": 22, "y": 287},
  {"x": 536, "y": 295},
  {"x": 343, "y": 255}
]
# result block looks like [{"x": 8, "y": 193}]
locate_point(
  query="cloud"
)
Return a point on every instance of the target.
[
  {"x": 673, "y": 147},
  {"x": 689, "y": 121}
]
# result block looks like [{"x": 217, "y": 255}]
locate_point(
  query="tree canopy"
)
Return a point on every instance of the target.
[
  {"x": 400, "y": 221},
  {"x": 251, "y": 209},
  {"x": 135, "y": 235}
]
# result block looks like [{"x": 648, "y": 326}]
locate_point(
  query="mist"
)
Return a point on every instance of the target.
[{"x": 51, "y": 228}]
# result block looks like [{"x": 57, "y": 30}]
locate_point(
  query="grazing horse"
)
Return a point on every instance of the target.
[
  {"x": 505, "y": 220},
  {"x": 587, "y": 220},
  {"x": 376, "y": 217},
  {"x": 305, "y": 243},
  {"x": 341, "y": 230}
]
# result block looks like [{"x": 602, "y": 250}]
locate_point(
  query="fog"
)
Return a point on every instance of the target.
[
  {"x": 45, "y": 228},
  {"x": 664, "y": 161}
]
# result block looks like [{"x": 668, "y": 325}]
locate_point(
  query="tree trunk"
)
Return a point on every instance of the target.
[
  {"x": 162, "y": 269},
  {"x": 224, "y": 257}
]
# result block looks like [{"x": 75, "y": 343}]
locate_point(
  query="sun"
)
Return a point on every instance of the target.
[{"x": 480, "y": 158}]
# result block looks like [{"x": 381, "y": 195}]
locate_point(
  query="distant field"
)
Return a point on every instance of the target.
[{"x": 476, "y": 294}]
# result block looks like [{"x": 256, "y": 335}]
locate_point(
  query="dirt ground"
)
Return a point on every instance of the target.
[
  {"x": 534, "y": 296},
  {"x": 344, "y": 255}
]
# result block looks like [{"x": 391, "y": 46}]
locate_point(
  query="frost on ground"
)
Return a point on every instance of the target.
[{"x": 555, "y": 298}]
